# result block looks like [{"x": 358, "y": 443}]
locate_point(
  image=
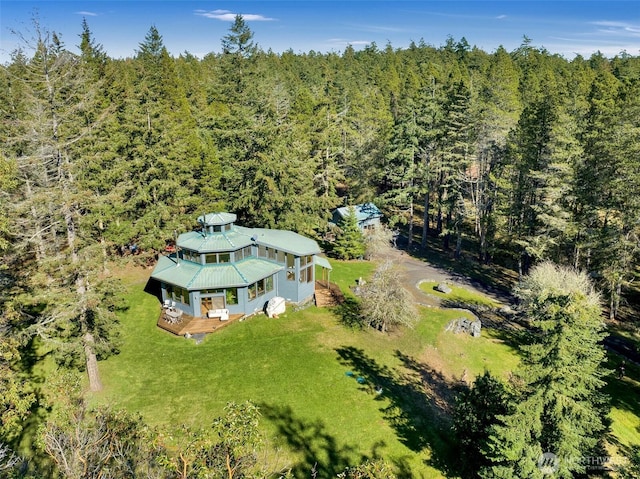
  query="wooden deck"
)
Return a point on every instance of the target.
[{"x": 191, "y": 325}]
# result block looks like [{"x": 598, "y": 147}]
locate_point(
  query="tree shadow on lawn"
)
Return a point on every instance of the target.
[
  {"x": 624, "y": 390},
  {"x": 349, "y": 312},
  {"x": 32, "y": 354},
  {"x": 417, "y": 403},
  {"x": 322, "y": 457}
]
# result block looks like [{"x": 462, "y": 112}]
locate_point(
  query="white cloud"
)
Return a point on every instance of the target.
[
  {"x": 501, "y": 17},
  {"x": 608, "y": 37},
  {"x": 342, "y": 42},
  {"x": 570, "y": 47},
  {"x": 228, "y": 16},
  {"x": 618, "y": 28},
  {"x": 87, "y": 14}
]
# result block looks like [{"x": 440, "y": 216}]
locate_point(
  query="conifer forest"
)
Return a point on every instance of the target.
[{"x": 520, "y": 160}]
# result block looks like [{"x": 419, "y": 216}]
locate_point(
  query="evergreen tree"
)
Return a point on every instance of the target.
[
  {"x": 274, "y": 186},
  {"x": 631, "y": 470},
  {"x": 166, "y": 164},
  {"x": 406, "y": 168},
  {"x": 623, "y": 250},
  {"x": 64, "y": 298},
  {"x": 16, "y": 395},
  {"x": 401, "y": 168},
  {"x": 560, "y": 409},
  {"x": 91, "y": 52},
  {"x": 542, "y": 154},
  {"x": 608, "y": 182},
  {"x": 457, "y": 146},
  {"x": 477, "y": 410},
  {"x": 7, "y": 184},
  {"x": 327, "y": 149},
  {"x": 499, "y": 109},
  {"x": 350, "y": 242},
  {"x": 239, "y": 40}
]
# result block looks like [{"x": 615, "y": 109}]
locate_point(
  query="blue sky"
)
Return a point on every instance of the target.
[{"x": 563, "y": 27}]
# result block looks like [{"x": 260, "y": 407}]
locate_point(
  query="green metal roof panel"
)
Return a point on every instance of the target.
[
  {"x": 242, "y": 273},
  {"x": 253, "y": 269},
  {"x": 212, "y": 219},
  {"x": 194, "y": 276},
  {"x": 216, "y": 276},
  {"x": 213, "y": 242},
  {"x": 324, "y": 262},
  {"x": 181, "y": 273},
  {"x": 239, "y": 237},
  {"x": 282, "y": 240},
  {"x": 364, "y": 212}
]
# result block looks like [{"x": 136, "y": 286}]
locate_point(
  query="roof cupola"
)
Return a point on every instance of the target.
[{"x": 216, "y": 222}]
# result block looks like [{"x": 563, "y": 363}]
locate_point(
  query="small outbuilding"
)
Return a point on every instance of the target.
[{"x": 367, "y": 214}]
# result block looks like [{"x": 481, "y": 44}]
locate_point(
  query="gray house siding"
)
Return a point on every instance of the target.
[{"x": 244, "y": 306}]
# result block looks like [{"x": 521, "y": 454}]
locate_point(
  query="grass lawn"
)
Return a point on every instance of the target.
[
  {"x": 458, "y": 294},
  {"x": 346, "y": 273},
  {"x": 296, "y": 368},
  {"x": 625, "y": 404},
  {"x": 302, "y": 370}
]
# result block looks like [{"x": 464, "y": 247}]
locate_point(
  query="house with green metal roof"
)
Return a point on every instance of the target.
[{"x": 222, "y": 265}]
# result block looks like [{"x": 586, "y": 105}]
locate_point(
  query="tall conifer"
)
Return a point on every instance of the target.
[
  {"x": 561, "y": 408},
  {"x": 350, "y": 242}
]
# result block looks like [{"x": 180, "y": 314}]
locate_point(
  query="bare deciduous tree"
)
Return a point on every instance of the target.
[
  {"x": 378, "y": 242},
  {"x": 8, "y": 459},
  {"x": 100, "y": 444},
  {"x": 385, "y": 302}
]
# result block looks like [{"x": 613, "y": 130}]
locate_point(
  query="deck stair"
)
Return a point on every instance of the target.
[{"x": 327, "y": 294}]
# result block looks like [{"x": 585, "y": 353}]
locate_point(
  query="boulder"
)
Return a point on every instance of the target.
[
  {"x": 465, "y": 325},
  {"x": 474, "y": 328},
  {"x": 443, "y": 288}
]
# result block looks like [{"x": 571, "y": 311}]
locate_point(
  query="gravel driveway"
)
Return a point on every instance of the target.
[{"x": 416, "y": 271}]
